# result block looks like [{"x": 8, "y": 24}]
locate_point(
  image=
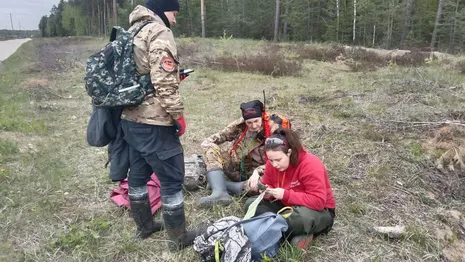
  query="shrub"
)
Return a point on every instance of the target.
[
  {"x": 264, "y": 63},
  {"x": 413, "y": 58},
  {"x": 460, "y": 66},
  {"x": 318, "y": 53}
]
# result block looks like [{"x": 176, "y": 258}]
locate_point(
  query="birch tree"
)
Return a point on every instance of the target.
[
  {"x": 276, "y": 21},
  {"x": 355, "y": 20},
  {"x": 436, "y": 25},
  {"x": 202, "y": 14}
]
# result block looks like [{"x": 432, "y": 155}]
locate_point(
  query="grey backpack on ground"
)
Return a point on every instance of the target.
[
  {"x": 253, "y": 239},
  {"x": 196, "y": 172},
  {"x": 224, "y": 241},
  {"x": 111, "y": 79},
  {"x": 265, "y": 232}
]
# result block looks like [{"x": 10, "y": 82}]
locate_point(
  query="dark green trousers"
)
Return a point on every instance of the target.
[{"x": 303, "y": 221}]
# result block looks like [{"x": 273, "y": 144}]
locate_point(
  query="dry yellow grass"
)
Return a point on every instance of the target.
[{"x": 37, "y": 83}]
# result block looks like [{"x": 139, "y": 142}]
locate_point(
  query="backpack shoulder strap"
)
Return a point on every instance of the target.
[
  {"x": 135, "y": 31},
  {"x": 218, "y": 248},
  {"x": 142, "y": 25},
  {"x": 264, "y": 215},
  {"x": 114, "y": 32}
]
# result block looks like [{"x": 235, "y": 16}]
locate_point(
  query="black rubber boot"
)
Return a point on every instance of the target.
[
  {"x": 142, "y": 214},
  {"x": 219, "y": 194},
  {"x": 175, "y": 226}
]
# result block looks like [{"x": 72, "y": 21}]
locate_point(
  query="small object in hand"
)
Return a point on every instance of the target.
[
  {"x": 183, "y": 73},
  {"x": 261, "y": 186}
]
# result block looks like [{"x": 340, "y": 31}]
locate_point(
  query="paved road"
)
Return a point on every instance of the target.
[{"x": 8, "y": 47}]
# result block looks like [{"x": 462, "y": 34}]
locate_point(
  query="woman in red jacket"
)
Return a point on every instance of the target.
[{"x": 296, "y": 178}]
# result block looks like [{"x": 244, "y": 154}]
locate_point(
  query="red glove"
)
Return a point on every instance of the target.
[{"x": 180, "y": 125}]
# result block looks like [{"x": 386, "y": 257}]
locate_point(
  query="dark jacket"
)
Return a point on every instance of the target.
[{"x": 104, "y": 129}]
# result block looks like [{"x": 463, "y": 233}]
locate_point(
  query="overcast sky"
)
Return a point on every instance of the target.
[{"x": 24, "y": 12}]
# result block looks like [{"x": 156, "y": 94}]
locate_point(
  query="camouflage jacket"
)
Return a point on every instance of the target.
[
  {"x": 155, "y": 52},
  {"x": 253, "y": 150}
]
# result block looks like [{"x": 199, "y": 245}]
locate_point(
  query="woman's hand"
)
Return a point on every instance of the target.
[
  {"x": 253, "y": 181},
  {"x": 277, "y": 193}
]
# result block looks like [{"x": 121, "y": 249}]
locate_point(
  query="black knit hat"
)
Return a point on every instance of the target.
[
  {"x": 159, "y": 7},
  {"x": 252, "y": 109}
]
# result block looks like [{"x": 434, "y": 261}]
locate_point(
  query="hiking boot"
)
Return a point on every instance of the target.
[
  {"x": 302, "y": 242},
  {"x": 175, "y": 226},
  {"x": 220, "y": 195},
  {"x": 142, "y": 215}
]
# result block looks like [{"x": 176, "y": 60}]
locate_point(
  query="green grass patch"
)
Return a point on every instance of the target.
[
  {"x": 287, "y": 252},
  {"x": 416, "y": 151},
  {"x": 357, "y": 208},
  {"x": 14, "y": 115},
  {"x": 380, "y": 171},
  {"x": 8, "y": 148},
  {"x": 23, "y": 126},
  {"x": 421, "y": 238},
  {"x": 4, "y": 175},
  {"x": 52, "y": 166},
  {"x": 84, "y": 235}
]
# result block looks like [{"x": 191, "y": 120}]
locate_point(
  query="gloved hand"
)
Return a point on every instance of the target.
[
  {"x": 180, "y": 125},
  {"x": 183, "y": 73}
]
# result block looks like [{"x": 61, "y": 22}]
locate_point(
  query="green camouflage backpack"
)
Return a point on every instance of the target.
[{"x": 111, "y": 79}]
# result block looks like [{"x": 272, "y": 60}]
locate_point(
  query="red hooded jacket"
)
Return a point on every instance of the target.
[{"x": 306, "y": 184}]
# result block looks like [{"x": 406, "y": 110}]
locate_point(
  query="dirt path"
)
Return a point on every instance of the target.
[{"x": 8, "y": 47}]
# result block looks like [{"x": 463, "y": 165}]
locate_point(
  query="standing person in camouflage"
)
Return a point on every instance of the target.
[
  {"x": 152, "y": 129},
  {"x": 244, "y": 162}
]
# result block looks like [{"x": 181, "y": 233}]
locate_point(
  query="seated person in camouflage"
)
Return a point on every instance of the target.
[{"x": 245, "y": 155}]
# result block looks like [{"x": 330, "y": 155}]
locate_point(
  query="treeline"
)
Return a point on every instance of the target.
[
  {"x": 436, "y": 24},
  {"x": 15, "y": 34},
  {"x": 86, "y": 17}
]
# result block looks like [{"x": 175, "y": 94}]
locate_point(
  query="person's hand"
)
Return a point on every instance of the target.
[
  {"x": 277, "y": 193},
  {"x": 207, "y": 143},
  {"x": 180, "y": 125},
  {"x": 253, "y": 181},
  {"x": 267, "y": 195}
]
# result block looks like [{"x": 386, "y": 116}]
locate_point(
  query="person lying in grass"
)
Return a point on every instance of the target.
[{"x": 296, "y": 178}]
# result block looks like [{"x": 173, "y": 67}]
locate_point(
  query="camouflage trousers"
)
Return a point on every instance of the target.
[{"x": 215, "y": 158}]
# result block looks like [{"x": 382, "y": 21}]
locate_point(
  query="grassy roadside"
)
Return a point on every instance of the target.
[{"x": 54, "y": 190}]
